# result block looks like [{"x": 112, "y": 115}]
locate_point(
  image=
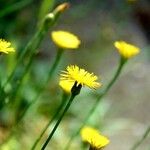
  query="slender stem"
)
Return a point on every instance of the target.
[
  {"x": 46, "y": 6},
  {"x": 50, "y": 74},
  {"x": 19, "y": 83},
  {"x": 113, "y": 80},
  {"x": 58, "y": 121},
  {"x": 75, "y": 90},
  {"x": 138, "y": 143},
  {"x": 34, "y": 43},
  {"x": 95, "y": 105},
  {"x": 30, "y": 52},
  {"x": 63, "y": 102},
  {"x": 30, "y": 47}
]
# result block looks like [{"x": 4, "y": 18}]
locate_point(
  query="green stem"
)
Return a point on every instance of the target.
[
  {"x": 34, "y": 43},
  {"x": 58, "y": 122},
  {"x": 50, "y": 74},
  {"x": 19, "y": 83},
  {"x": 113, "y": 80},
  {"x": 46, "y": 6},
  {"x": 138, "y": 143},
  {"x": 51, "y": 71},
  {"x": 95, "y": 105},
  {"x": 63, "y": 102},
  {"x": 29, "y": 49},
  {"x": 75, "y": 90},
  {"x": 14, "y": 7}
]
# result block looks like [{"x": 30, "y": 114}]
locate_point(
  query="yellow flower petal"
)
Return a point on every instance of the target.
[
  {"x": 66, "y": 85},
  {"x": 126, "y": 50},
  {"x": 65, "y": 40},
  {"x": 74, "y": 73},
  {"x": 5, "y": 47},
  {"x": 94, "y": 138}
]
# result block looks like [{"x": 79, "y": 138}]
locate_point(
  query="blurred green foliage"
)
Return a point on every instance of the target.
[{"x": 98, "y": 24}]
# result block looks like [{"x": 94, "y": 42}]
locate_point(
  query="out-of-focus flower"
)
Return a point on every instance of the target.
[
  {"x": 66, "y": 85},
  {"x": 76, "y": 74},
  {"x": 94, "y": 138},
  {"x": 126, "y": 50},
  {"x": 65, "y": 40},
  {"x": 5, "y": 47}
]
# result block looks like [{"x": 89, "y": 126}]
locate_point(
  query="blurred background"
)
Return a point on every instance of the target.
[{"x": 123, "y": 114}]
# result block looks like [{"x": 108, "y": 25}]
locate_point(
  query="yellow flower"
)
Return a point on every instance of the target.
[
  {"x": 126, "y": 50},
  {"x": 65, "y": 40},
  {"x": 66, "y": 85},
  {"x": 94, "y": 138},
  {"x": 5, "y": 47},
  {"x": 74, "y": 73}
]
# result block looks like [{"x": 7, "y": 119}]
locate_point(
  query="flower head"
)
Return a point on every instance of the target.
[
  {"x": 94, "y": 138},
  {"x": 75, "y": 74},
  {"x": 5, "y": 47},
  {"x": 65, "y": 40},
  {"x": 66, "y": 85},
  {"x": 126, "y": 50}
]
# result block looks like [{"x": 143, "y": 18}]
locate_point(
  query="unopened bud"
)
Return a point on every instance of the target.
[{"x": 62, "y": 7}]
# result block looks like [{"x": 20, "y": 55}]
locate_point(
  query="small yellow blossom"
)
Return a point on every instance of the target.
[
  {"x": 76, "y": 74},
  {"x": 5, "y": 47},
  {"x": 65, "y": 40},
  {"x": 66, "y": 85},
  {"x": 94, "y": 138},
  {"x": 126, "y": 50}
]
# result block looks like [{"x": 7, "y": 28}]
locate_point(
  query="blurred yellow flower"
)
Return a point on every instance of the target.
[
  {"x": 94, "y": 138},
  {"x": 126, "y": 50},
  {"x": 5, "y": 47},
  {"x": 66, "y": 85},
  {"x": 74, "y": 73},
  {"x": 65, "y": 40}
]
